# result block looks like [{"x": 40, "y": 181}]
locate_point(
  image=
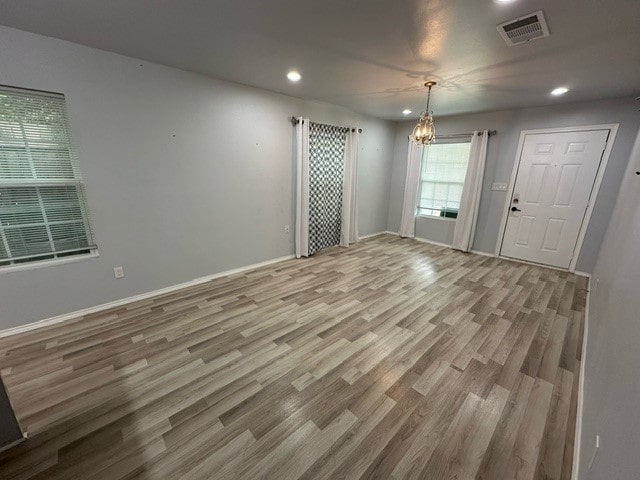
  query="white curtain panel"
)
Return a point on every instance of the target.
[
  {"x": 302, "y": 188},
  {"x": 349, "y": 227},
  {"x": 470, "y": 202},
  {"x": 411, "y": 184}
]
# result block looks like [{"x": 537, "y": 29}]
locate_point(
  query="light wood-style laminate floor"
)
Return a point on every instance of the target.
[{"x": 392, "y": 359}]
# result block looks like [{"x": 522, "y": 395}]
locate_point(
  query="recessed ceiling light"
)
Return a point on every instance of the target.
[
  {"x": 504, "y": 1},
  {"x": 406, "y": 111},
  {"x": 294, "y": 76},
  {"x": 556, "y": 92}
]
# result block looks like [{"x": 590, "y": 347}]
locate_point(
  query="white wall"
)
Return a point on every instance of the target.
[
  {"x": 612, "y": 368},
  {"x": 501, "y": 157},
  {"x": 186, "y": 175}
]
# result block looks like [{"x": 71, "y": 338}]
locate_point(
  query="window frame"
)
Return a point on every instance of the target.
[
  {"x": 49, "y": 262},
  {"x": 422, "y": 181},
  {"x": 34, "y": 186}
]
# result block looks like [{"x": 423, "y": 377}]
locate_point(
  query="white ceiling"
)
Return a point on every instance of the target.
[{"x": 372, "y": 56}]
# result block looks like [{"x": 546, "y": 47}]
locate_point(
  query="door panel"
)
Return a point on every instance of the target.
[
  {"x": 551, "y": 194},
  {"x": 537, "y": 174},
  {"x": 566, "y": 185},
  {"x": 525, "y": 226},
  {"x": 553, "y": 235}
]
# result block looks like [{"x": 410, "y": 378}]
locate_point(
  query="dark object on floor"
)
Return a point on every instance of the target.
[{"x": 10, "y": 432}]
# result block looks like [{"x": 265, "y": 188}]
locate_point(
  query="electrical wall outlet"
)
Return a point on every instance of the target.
[
  {"x": 595, "y": 452},
  {"x": 499, "y": 186},
  {"x": 118, "y": 272},
  {"x": 286, "y": 229}
]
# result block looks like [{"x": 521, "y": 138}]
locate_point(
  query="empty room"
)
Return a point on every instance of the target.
[{"x": 319, "y": 239}]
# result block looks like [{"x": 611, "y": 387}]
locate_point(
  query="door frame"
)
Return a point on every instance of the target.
[{"x": 613, "y": 130}]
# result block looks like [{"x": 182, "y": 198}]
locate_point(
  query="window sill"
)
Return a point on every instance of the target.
[
  {"x": 433, "y": 217},
  {"x": 48, "y": 263}
]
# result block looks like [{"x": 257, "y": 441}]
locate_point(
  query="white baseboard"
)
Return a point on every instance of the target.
[
  {"x": 484, "y": 254},
  {"x": 371, "y": 235},
  {"x": 441, "y": 244},
  {"x": 583, "y": 361},
  {"x": 423, "y": 240},
  {"x": 432, "y": 242},
  {"x": 135, "y": 298}
]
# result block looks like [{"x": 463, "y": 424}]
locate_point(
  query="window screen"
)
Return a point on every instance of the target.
[
  {"x": 444, "y": 167},
  {"x": 43, "y": 211}
]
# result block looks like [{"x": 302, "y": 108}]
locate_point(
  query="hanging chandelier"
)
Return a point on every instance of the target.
[{"x": 424, "y": 132}]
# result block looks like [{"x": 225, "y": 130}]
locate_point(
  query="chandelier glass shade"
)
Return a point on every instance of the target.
[{"x": 424, "y": 133}]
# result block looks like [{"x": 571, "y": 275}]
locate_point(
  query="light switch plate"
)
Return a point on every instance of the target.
[
  {"x": 118, "y": 272},
  {"x": 499, "y": 186}
]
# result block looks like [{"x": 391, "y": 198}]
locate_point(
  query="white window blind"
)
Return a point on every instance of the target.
[
  {"x": 43, "y": 210},
  {"x": 444, "y": 166}
]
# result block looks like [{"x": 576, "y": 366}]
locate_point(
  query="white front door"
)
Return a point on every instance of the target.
[{"x": 553, "y": 184}]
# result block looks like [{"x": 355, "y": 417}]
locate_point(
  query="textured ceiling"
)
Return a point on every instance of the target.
[{"x": 372, "y": 56}]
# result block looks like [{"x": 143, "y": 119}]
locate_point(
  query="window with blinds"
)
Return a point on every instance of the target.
[
  {"x": 43, "y": 210},
  {"x": 444, "y": 166}
]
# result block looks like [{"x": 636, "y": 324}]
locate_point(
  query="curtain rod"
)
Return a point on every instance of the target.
[
  {"x": 470, "y": 134},
  {"x": 295, "y": 121},
  {"x": 462, "y": 135}
]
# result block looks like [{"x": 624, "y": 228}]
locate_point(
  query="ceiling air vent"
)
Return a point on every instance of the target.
[{"x": 523, "y": 29}]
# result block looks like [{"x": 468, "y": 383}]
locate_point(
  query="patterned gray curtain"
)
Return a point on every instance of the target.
[{"x": 326, "y": 171}]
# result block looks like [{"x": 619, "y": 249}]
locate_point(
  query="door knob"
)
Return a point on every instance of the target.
[{"x": 515, "y": 209}]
